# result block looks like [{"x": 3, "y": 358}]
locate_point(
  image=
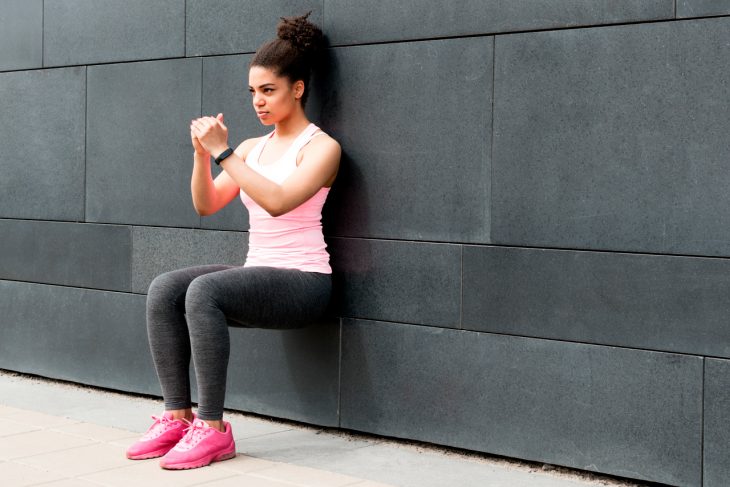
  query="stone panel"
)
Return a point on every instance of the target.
[
  {"x": 413, "y": 120},
  {"x": 379, "y": 20},
  {"x": 238, "y": 26},
  {"x": 139, "y": 155},
  {"x": 99, "y": 338},
  {"x": 21, "y": 38},
  {"x": 234, "y": 216},
  {"x": 100, "y": 31},
  {"x": 290, "y": 374},
  {"x": 397, "y": 281},
  {"x": 669, "y": 303},
  {"x": 158, "y": 250},
  {"x": 699, "y": 8},
  {"x": 614, "y": 138},
  {"x": 225, "y": 90},
  {"x": 619, "y": 411},
  {"x": 717, "y": 423},
  {"x": 92, "y": 337},
  {"x": 70, "y": 254},
  {"x": 42, "y": 140}
]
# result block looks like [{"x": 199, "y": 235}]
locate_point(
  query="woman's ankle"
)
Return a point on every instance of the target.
[
  {"x": 186, "y": 414},
  {"x": 217, "y": 424}
]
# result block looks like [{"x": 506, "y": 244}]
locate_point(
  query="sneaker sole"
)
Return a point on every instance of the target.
[
  {"x": 152, "y": 454},
  {"x": 205, "y": 461}
]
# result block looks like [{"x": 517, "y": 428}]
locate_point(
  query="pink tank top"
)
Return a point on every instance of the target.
[{"x": 293, "y": 240}]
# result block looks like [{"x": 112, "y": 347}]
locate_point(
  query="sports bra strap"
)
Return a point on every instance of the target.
[
  {"x": 255, "y": 153},
  {"x": 310, "y": 132},
  {"x": 303, "y": 139}
]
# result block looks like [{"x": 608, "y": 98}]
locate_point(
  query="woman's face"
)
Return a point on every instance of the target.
[{"x": 274, "y": 97}]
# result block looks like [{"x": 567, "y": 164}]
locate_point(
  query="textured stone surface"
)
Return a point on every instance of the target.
[
  {"x": 21, "y": 36},
  {"x": 610, "y": 138},
  {"x": 697, "y": 8},
  {"x": 225, "y": 90},
  {"x": 717, "y": 423},
  {"x": 379, "y": 20},
  {"x": 139, "y": 156},
  {"x": 675, "y": 304},
  {"x": 237, "y": 26},
  {"x": 99, "y": 31},
  {"x": 71, "y": 254},
  {"x": 93, "y": 337},
  {"x": 290, "y": 374},
  {"x": 624, "y": 412},
  {"x": 234, "y": 216},
  {"x": 99, "y": 338},
  {"x": 397, "y": 281},
  {"x": 416, "y": 145},
  {"x": 42, "y": 140},
  {"x": 158, "y": 250},
  {"x": 614, "y": 138}
]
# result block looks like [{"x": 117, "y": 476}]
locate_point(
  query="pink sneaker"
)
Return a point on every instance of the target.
[
  {"x": 200, "y": 446},
  {"x": 164, "y": 434}
]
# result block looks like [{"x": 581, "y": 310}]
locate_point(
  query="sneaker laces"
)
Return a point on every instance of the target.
[
  {"x": 193, "y": 434},
  {"x": 160, "y": 426}
]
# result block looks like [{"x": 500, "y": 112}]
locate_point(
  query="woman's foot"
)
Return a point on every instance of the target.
[
  {"x": 201, "y": 446},
  {"x": 160, "y": 438}
]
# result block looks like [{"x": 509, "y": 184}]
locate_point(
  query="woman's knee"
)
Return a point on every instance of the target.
[
  {"x": 201, "y": 295},
  {"x": 164, "y": 290}
]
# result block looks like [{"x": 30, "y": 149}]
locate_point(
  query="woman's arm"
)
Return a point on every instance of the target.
[
  {"x": 320, "y": 159},
  {"x": 318, "y": 166},
  {"x": 210, "y": 195}
]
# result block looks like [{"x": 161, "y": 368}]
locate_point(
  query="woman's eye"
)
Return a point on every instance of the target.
[{"x": 266, "y": 91}]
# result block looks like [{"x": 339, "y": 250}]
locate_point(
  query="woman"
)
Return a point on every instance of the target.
[{"x": 283, "y": 180}]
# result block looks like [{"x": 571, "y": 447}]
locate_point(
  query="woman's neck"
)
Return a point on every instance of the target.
[{"x": 291, "y": 126}]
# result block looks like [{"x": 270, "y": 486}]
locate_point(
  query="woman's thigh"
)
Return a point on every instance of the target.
[{"x": 267, "y": 297}]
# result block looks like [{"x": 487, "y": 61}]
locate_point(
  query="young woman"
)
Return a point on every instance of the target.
[{"x": 283, "y": 180}]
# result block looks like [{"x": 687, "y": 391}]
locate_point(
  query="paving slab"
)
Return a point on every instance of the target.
[
  {"x": 19, "y": 475},
  {"x": 71, "y": 435}
]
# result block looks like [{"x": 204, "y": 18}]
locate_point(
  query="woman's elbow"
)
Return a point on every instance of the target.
[
  {"x": 275, "y": 208},
  {"x": 202, "y": 210},
  {"x": 275, "y": 211}
]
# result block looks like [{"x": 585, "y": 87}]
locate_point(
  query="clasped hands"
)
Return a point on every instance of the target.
[{"x": 209, "y": 135}]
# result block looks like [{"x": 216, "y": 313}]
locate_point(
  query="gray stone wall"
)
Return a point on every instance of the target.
[{"x": 530, "y": 232}]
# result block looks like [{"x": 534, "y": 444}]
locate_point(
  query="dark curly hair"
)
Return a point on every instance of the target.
[{"x": 295, "y": 51}]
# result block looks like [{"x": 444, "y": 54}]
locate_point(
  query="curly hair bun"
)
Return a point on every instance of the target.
[{"x": 303, "y": 35}]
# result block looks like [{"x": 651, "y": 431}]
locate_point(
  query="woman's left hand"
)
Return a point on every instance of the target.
[{"x": 211, "y": 132}]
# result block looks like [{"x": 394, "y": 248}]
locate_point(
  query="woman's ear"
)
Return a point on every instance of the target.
[{"x": 298, "y": 89}]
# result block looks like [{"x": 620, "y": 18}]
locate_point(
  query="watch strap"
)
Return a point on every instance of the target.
[{"x": 223, "y": 155}]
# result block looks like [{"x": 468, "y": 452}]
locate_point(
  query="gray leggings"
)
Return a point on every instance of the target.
[{"x": 189, "y": 310}]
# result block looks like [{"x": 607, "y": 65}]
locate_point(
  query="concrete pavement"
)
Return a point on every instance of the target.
[{"x": 58, "y": 434}]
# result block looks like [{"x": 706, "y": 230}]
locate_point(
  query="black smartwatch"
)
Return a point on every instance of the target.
[{"x": 223, "y": 155}]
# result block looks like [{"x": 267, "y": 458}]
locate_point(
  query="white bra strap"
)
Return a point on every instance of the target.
[
  {"x": 309, "y": 133},
  {"x": 255, "y": 153}
]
